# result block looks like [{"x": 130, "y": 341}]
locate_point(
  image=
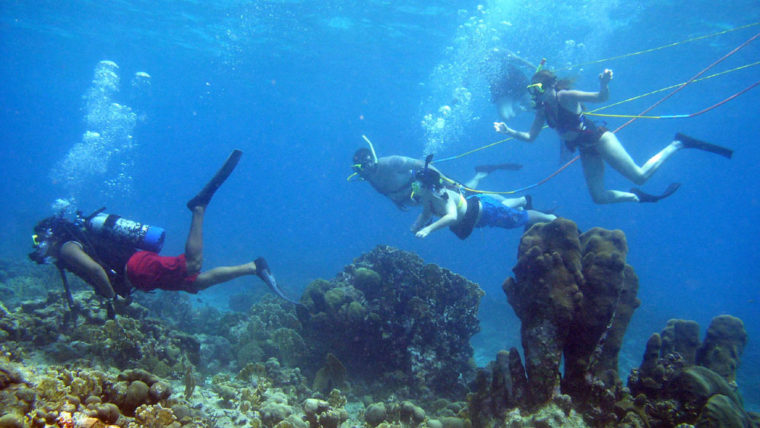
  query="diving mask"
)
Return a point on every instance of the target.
[
  {"x": 535, "y": 89},
  {"x": 40, "y": 253}
]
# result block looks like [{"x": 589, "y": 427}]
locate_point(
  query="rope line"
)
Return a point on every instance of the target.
[
  {"x": 592, "y": 112},
  {"x": 669, "y": 45}
]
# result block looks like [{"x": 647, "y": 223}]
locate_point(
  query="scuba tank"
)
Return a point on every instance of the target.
[{"x": 127, "y": 232}]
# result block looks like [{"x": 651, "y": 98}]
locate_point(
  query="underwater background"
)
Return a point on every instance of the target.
[{"x": 295, "y": 84}]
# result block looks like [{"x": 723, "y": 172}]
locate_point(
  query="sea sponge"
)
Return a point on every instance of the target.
[
  {"x": 723, "y": 346},
  {"x": 365, "y": 278},
  {"x": 331, "y": 375},
  {"x": 274, "y": 412},
  {"x": 409, "y": 413},
  {"x": 160, "y": 391},
  {"x": 375, "y": 414},
  {"x": 138, "y": 393},
  {"x": 108, "y": 413},
  {"x": 155, "y": 416},
  {"x": 11, "y": 421},
  {"x": 722, "y": 411}
]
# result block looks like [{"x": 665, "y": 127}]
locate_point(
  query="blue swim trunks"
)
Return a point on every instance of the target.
[{"x": 494, "y": 214}]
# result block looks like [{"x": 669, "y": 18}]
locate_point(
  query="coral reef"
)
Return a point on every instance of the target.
[
  {"x": 394, "y": 320},
  {"x": 681, "y": 381},
  {"x": 383, "y": 344},
  {"x": 86, "y": 398},
  {"x": 575, "y": 296},
  {"x": 132, "y": 340}
]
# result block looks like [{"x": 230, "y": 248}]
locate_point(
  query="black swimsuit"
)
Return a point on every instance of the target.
[{"x": 563, "y": 120}]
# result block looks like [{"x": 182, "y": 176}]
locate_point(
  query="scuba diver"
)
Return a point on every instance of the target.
[
  {"x": 116, "y": 256},
  {"x": 392, "y": 176},
  {"x": 462, "y": 214},
  {"x": 560, "y": 107}
]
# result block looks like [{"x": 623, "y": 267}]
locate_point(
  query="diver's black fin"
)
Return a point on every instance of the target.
[
  {"x": 493, "y": 167},
  {"x": 204, "y": 196},
  {"x": 693, "y": 143},
  {"x": 646, "y": 197},
  {"x": 528, "y": 202},
  {"x": 263, "y": 272}
]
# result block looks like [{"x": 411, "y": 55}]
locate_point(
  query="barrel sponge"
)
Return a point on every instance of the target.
[{"x": 723, "y": 345}]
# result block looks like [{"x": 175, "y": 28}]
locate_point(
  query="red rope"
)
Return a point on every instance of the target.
[{"x": 726, "y": 100}]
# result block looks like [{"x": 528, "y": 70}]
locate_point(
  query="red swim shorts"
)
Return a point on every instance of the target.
[{"x": 148, "y": 271}]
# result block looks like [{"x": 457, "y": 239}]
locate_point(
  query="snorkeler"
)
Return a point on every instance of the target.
[
  {"x": 116, "y": 257},
  {"x": 392, "y": 176},
  {"x": 462, "y": 214},
  {"x": 559, "y": 106}
]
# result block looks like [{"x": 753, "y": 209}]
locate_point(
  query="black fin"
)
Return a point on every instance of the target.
[
  {"x": 528, "y": 202},
  {"x": 263, "y": 272},
  {"x": 693, "y": 143},
  {"x": 493, "y": 167},
  {"x": 204, "y": 196},
  {"x": 646, "y": 197}
]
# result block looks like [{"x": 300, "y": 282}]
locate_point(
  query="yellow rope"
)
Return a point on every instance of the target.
[
  {"x": 593, "y": 112},
  {"x": 669, "y": 45}
]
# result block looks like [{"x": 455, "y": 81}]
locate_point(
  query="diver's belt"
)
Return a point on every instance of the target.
[{"x": 464, "y": 228}]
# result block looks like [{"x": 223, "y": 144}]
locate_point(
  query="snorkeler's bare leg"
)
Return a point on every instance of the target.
[
  {"x": 474, "y": 182},
  {"x": 539, "y": 217},
  {"x": 593, "y": 171},
  {"x": 194, "y": 243},
  {"x": 223, "y": 274},
  {"x": 615, "y": 154},
  {"x": 513, "y": 203}
]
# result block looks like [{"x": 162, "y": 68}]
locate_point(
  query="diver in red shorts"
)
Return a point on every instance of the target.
[{"x": 117, "y": 257}]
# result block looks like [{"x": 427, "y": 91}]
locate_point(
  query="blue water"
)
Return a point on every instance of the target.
[{"x": 295, "y": 84}]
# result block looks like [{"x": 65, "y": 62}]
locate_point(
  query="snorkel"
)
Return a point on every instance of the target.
[
  {"x": 536, "y": 88},
  {"x": 424, "y": 177},
  {"x": 371, "y": 147}
]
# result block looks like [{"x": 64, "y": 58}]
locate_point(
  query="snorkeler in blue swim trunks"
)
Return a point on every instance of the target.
[{"x": 462, "y": 214}]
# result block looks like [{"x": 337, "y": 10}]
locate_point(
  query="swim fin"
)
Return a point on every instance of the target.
[
  {"x": 493, "y": 167},
  {"x": 693, "y": 143},
  {"x": 263, "y": 272},
  {"x": 528, "y": 202},
  {"x": 204, "y": 196},
  {"x": 646, "y": 197}
]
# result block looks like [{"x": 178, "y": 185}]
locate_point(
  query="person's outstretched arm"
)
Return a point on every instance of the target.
[
  {"x": 422, "y": 218},
  {"x": 569, "y": 98},
  {"x": 79, "y": 262},
  {"x": 532, "y": 134},
  {"x": 447, "y": 220}
]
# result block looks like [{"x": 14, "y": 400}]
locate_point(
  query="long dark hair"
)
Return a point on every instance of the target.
[{"x": 548, "y": 79}]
